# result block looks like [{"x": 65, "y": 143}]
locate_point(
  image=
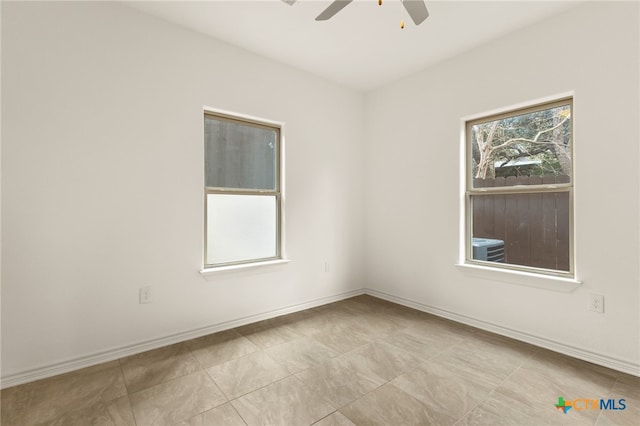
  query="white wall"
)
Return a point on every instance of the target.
[
  {"x": 102, "y": 174},
  {"x": 413, "y": 184},
  {"x": 102, "y": 181}
]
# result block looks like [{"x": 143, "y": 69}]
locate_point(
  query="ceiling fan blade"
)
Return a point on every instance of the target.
[
  {"x": 333, "y": 8},
  {"x": 290, "y": 2},
  {"x": 417, "y": 10}
]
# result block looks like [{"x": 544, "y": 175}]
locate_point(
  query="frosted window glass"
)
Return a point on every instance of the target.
[{"x": 240, "y": 227}]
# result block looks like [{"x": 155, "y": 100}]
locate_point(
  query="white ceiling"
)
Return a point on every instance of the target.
[{"x": 362, "y": 46}]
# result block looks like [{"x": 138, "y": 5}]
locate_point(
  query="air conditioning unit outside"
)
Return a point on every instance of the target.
[{"x": 488, "y": 249}]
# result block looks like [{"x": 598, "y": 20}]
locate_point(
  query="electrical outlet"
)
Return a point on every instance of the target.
[
  {"x": 145, "y": 295},
  {"x": 596, "y": 303}
]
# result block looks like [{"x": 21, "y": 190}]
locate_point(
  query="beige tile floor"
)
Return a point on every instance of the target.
[{"x": 360, "y": 361}]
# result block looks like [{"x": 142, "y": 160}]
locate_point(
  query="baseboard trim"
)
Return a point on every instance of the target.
[
  {"x": 580, "y": 353},
  {"x": 136, "y": 348}
]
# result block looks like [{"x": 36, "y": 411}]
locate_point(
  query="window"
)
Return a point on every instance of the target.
[
  {"x": 243, "y": 200},
  {"x": 519, "y": 189}
]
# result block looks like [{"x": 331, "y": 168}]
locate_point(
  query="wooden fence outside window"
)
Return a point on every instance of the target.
[{"x": 533, "y": 226}]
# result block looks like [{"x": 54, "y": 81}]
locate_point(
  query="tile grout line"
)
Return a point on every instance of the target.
[
  {"x": 373, "y": 327},
  {"x": 128, "y": 395},
  {"x": 482, "y": 400},
  {"x": 238, "y": 413},
  {"x": 466, "y": 413},
  {"x": 609, "y": 393},
  {"x": 387, "y": 382},
  {"x": 380, "y": 339},
  {"x": 230, "y": 401}
]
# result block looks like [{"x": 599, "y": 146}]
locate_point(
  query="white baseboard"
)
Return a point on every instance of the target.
[
  {"x": 136, "y": 348},
  {"x": 580, "y": 353}
]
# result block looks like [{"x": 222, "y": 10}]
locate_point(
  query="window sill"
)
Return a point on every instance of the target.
[
  {"x": 528, "y": 279},
  {"x": 270, "y": 264}
]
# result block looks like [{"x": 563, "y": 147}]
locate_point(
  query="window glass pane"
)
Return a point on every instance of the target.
[
  {"x": 240, "y": 227},
  {"x": 530, "y": 229},
  {"x": 239, "y": 155},
  {"x": 522, "y": 149}
]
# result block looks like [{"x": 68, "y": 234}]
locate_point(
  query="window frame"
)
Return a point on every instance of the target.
[
  {"x": 278, "y": 192},
  {"x": 470, "y": 191}
]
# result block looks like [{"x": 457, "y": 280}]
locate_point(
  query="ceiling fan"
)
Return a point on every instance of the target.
[{"x": 417, "y": 9}]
